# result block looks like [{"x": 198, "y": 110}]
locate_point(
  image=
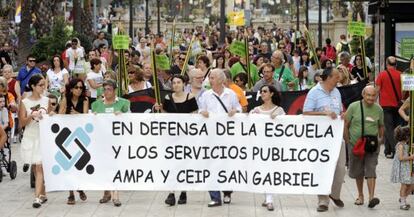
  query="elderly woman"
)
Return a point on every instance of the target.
[{"x": 12, "y": 84}]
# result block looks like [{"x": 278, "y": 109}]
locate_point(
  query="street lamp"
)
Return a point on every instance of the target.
[
  {"x": 320, "y": 23},
  {"x": 307, "y": 14},
  {"x": 222, "y": 21},
  {"x": 147, "y": 30},
  {"x": 158, "y": 18}
]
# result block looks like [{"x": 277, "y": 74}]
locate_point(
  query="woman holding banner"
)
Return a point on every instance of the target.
[
  {"x": 30, "y": 112},
  {"x": 75, "y": 102},
  {"x": 271, "y": 106},
  {"x": 178, "y": 102}
]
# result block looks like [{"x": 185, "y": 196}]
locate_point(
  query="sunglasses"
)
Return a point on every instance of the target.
[
  {"x": 181, "y": 58},
  {"x": 33, "y": 61},
  {"x": 264, "y": 91},
  {"x": 131, "y": 72},
  {"x": 78, "y": 87}
]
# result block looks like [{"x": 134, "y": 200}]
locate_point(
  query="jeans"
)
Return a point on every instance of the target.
[{"x": 216, "y": 195}]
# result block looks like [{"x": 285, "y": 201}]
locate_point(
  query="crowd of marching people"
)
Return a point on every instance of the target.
[{"x": 214, "y": 80}]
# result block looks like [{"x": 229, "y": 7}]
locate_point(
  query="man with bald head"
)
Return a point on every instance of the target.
[
  {"x": 218, "y": 100},
  {"x": 360, "y": 168},
  {"x": 389, "y": 85},
  {"x": 282, "y": 73}
]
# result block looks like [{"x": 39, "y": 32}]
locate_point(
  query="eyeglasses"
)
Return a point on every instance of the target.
[
  {"x": 78, "y": 87},
  {"x": 264, "y": 91},
  {"x": 32, "y": 60},
  {"x": 181, "y": 58}
]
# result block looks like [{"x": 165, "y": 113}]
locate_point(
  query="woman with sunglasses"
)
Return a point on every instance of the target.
[
  {"x": 178, "y": 102},
  {"x": 270, "y": 106},
  {"x": 74, "y": 102},
  {"x": 137, "y": 81}
]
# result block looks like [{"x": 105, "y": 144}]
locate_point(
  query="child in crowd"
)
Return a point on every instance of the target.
[
  {"x": 4, "y": 114},
  {"x": 402, "y": 163}
]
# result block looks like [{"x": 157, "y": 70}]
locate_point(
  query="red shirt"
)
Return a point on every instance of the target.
[{"x": 386, "y": 94}]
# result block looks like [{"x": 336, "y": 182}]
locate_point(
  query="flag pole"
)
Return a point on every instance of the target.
[
  {"x": 247, "y": 57},
  {"x": 187, "y": 57},
  {"x": 155, "y": 77},
  {"x": 311, "y": 46}
]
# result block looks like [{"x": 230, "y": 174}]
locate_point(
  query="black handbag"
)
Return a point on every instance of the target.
[{"x": 371, "y": 144}]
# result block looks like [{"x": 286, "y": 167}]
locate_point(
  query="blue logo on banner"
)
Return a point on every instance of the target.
[{"x": 77, "y": 140}]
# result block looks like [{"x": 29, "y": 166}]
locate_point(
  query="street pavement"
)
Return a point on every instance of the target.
[{"x": 16, "y": 198}]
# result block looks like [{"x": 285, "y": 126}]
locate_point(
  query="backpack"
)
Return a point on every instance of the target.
[
  {"x": 345, "y": 47},
  {"x": 330, "y": 52}
]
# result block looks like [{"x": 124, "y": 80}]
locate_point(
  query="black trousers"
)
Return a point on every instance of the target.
[{"x": 391, "y": 120}]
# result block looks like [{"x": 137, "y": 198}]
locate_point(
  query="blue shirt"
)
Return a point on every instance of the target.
[
  {"x": 24, "y": 76},
  {"x": 319, "y": 100}
]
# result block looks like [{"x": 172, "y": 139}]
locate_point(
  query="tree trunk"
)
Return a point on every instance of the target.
[
  {"x": 77, "y": 16},
  {"x": 24, "y": 48},
  {"x": 43, "y": 9},
  {"x": 87, "y": 17}
]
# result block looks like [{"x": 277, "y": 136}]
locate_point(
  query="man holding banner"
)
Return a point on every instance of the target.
[
  {"x": 219, "y": 100},
  {"x": 110, "y": 104},
  {"x": 325, "y": 99}
]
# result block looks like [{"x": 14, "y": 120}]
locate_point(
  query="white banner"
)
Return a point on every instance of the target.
[{"x": 287, "y": 155}]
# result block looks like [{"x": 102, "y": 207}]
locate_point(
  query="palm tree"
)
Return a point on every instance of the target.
[
  {"x": 87, "y": 16},
  {"x": 43, "y": 10},
  {"x": 77, "y": 16},
  {"x": 24, "y": 32}
]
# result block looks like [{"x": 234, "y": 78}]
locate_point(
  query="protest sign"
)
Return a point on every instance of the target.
[
  {"x": 356, "y": 28},
  {"x": 407, "y": 81},
  {"x": 236, "y": 18},
  {"x": 289, "y": 154},
  {"x": 238, "y": 48},
  {"x": 120, "y": 42},
  {"x": 162, "y": 61}
]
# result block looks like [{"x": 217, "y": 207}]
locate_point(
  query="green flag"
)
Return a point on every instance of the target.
[
  {"x": 162, "y": 62},
  {"x": 238, "y": 48}
]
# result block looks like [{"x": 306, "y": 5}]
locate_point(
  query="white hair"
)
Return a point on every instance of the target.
[
  {"x": 8, "y": 67},
  {"x": 220, "y": 74}
]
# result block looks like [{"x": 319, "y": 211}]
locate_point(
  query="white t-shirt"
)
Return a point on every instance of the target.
[
  {"x": 98, "y": 78},
  {"x": 56, "y": 79},
  {"x": 71, "y": 53}
]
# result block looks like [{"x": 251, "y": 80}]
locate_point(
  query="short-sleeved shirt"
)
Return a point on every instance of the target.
[
  {"x": 237, "y": 68},
  {"x": 209, "y": 102},
  {"x": 374, "y": 118},
  {"x": 120, "y": 105},
  {"x": 387, "y": 96},
  {"x": 319, "y": 100},
  {"x": 240, "y": 94},
  {"x": 24, "y": 76},
  {"x": 262, "y": 82},
  {"x": 98, "y": 78},
  {"x": 56, "y": 80},
  {"x": 287, "y": 76}
]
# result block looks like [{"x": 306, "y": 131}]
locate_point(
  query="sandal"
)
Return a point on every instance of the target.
[
  {"x": 359, "y": 201},
  {"x": 71, "y": 200},
  {"x": 373, "y": 202},
  {"x": 105, "y": 199},
  {"x": 43, "y": 199},
  {"x": 82, "y": 195},
  {"x": 116, "y": 202}
]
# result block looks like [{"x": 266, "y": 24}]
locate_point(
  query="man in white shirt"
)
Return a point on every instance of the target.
[
  {"x": 219, "y": 99},
  {"x": 75, "y": 55}
]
